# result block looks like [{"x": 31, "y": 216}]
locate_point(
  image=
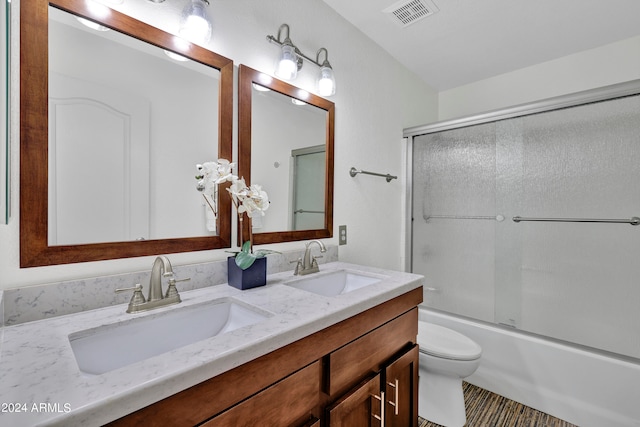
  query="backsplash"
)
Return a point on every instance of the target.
[{"x": 57, "y": 299}]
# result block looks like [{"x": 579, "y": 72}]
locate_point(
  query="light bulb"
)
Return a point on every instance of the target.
[
  {"x": 287, "y": 67},
  {"x": 194, "y": 23},
  {"x": 326, "y": 81}
]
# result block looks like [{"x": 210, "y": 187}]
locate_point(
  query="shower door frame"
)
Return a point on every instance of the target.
[{"x": 604, "y": 93}]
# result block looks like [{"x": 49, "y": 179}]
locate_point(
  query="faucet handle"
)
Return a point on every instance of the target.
[
  {"x": 137, "y": 297},
  {"x": 314, "y": 260},
  {"x": 172, "y": 291},
  {"x": 136, "y": 288},
  {"x": 298, "y": 265}
]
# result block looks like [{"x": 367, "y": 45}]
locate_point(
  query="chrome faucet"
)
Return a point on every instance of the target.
[
  {"x": 161, "y": 268},
  {"x": 309, "y": 264}
]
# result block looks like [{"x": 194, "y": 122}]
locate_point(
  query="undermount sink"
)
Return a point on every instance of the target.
[
  {"x": 110, "y": 347},
  {"x": 334, "y": 283}
]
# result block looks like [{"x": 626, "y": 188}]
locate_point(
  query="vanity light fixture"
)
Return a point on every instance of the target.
[
  {"x": 326, "y": 81},
  {"x": 195, "y": 25},
  {"x": 291, "y": 59}
]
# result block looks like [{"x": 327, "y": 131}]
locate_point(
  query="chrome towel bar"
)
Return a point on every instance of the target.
[
  {"x": 498, "y": 218},
  {"x": 633, "y": 221},
  {"x": 306, "y": 211},
  {"x": 353, "y": 172}
]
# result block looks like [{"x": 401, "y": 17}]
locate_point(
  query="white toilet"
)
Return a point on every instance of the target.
[{"x": 446, "y": 357}]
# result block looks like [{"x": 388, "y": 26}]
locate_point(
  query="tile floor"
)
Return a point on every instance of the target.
[{"x": 486, "y": 409}]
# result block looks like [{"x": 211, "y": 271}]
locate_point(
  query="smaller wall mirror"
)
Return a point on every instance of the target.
[{"x": 286, "y": 138}]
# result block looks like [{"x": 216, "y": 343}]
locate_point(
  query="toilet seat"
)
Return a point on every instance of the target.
[{"x": 443, "y": 342}]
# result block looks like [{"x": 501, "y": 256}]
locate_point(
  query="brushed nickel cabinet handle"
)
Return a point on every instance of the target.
[
  {"x": 395, "y": 404},
  {"x": 381, "y": 416}
]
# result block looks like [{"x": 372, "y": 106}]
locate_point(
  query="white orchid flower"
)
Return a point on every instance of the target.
[
  {"x": 211, "y": 174},
  {"x": 250, "y": 200},
  {"x": 238, "y": 188},
  {"x": 258, "y": 200},
  {"x": 223, "y": 171}
]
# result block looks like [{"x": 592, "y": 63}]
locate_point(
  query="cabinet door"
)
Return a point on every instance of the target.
[
  {"x": 359, "y": 407},
  {"x": 401, "y": 390}
]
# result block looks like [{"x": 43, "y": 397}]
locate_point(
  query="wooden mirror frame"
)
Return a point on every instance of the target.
[
  {"x": 34, "y": 127},
  {"x": 246, "y": 77}
]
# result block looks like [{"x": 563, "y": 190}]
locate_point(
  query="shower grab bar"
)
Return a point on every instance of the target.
[
  {"x": 633, "y": 221},
  {"x": 353, "y": 172},
  {"x": 498, "y": 218},
  {"x": 306, "y": 211}
]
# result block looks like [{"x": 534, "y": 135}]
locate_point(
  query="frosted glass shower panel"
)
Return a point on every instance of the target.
[
  {"x": 580, "y": 280},
  {"x": 574, "y": 281},
  {"x": 460, "y": 178},
  {"x": 454, "y": 186}
]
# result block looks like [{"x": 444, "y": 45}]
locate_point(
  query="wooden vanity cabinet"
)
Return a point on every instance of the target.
[
  {"x": 390, "y": 395},
  {"x": 325, "y": 379},
  {"x": 385, "y": 362}
]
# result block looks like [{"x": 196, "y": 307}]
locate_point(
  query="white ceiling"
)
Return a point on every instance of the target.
[{"x": 470, "y": 40}]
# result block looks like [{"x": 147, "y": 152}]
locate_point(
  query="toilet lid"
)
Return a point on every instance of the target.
[{"x": 443, "y": 342}]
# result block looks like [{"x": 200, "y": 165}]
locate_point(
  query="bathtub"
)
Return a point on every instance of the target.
[{"x": 574, "y": 384}]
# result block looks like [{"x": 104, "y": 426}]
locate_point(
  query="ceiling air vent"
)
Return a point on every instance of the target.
[{"x": 405, "y": 13}]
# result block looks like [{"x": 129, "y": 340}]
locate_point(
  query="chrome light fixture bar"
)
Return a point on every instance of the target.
[{"x": 291, "y": 59}]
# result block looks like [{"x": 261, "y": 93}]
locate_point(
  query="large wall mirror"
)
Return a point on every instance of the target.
[
  {"x": 285, "y": 144},
  {"x": 111, "y": 130}
]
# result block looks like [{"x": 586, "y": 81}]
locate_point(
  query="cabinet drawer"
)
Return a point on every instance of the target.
[
  {"x": 291, "y": 401},
  {"x": 351, "y": 363}
]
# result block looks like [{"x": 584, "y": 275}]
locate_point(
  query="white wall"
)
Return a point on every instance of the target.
[
  {"x": 376, "y": 98},
  {"x": 613, "y": 63}
]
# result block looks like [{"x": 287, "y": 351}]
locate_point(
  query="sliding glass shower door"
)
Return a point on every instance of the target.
[{"x": 528, "y": 222}]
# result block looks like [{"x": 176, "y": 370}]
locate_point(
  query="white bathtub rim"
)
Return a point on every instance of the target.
[
  {"x": 571, "y": 394},
  {"x": 618, "y": 359}
]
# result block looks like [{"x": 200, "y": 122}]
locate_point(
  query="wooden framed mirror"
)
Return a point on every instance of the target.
[
  {"x": 41, "y": 193},
  {"x": 286, "y": 144}
]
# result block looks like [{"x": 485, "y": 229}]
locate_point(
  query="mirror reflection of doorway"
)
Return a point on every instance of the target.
[{"x": 308, "y": 168}]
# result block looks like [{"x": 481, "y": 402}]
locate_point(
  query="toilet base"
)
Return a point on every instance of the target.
[{"x": 441, "y": 400}]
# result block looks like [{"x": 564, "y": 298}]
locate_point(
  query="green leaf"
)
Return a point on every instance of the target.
[
  {"x": 261, "y": 253},
  {"x": 244, "y": 259},
  {"x": 246, "y": 246}
]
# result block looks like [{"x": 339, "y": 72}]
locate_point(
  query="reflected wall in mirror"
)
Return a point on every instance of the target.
[
  {"x": 148, "y": 118},
  {"x": 111, "y": 131},
  {"x": 286, "y": 138}
]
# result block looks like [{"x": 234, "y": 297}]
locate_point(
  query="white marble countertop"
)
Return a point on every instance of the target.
[{"x": 41, "y": 384}]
